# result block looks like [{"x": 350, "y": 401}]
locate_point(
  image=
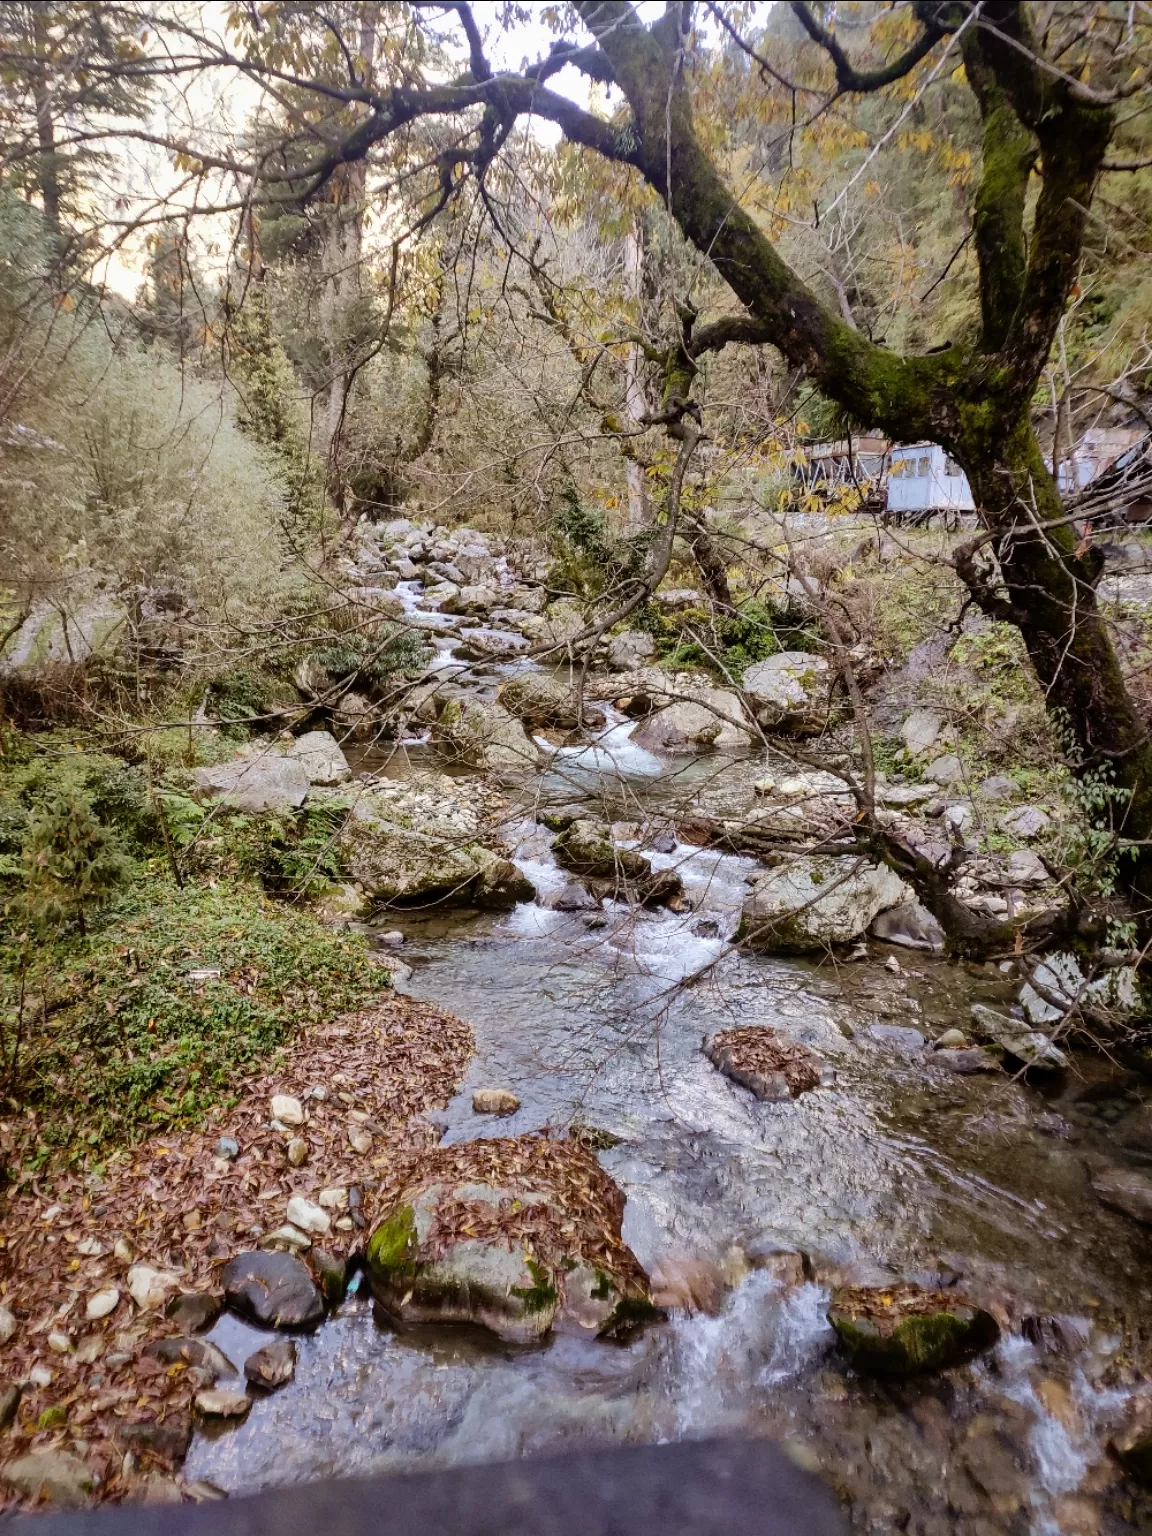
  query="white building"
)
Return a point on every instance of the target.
[{"x": 923, "y": 479}]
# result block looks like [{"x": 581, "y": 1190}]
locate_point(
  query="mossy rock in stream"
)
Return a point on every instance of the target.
[
  {"x": 518, "y": 1234},
  {"x": 903, "y": 1330}
]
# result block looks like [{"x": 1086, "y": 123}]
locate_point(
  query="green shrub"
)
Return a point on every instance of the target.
[{"x": 73, "y": 864}]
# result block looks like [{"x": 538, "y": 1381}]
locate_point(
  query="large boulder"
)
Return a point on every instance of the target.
[
  {"x": 540, "y": 698},
  {"x": 518, "y": 1234},
  {"x": 902, "y": 1330},
  {"x": 586, "y": 848},
  {"x": 57, "y": 1477},
  {"x": 472, "y": 599},
  {"x": 631, "y": 649},
  {"x": 1125, "y": 1189},
  {"x": 564, "y": 619},
  {"x": 910, "y": 925},
  {"x": 790, "y": 692},
  {"x": 483, "y": 736},
  {"x": 707, "y": 720},
  {"x": 1026, "y": 1045},
  {"x": 489, "y": 645},
  {"x": 321, "y": 757},
  {"x": 262, "y": 781},
  {"x": 817, "y": 900},
  {"x": 412, "y": 839}
]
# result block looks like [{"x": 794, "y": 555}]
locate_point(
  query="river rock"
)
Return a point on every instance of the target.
[
  {"x": 1132, "y": 1446},
  {"x": 903, "y": 1330},
  {"x": 494, "y": 1101},
  {"x": 265, "y": 781},
  {"x": 586, "y": 848},
  {"x": 518, "y": 1234},
  {"x": 471, "y": 599},
  {"x": 817, "y": 900},
  {"x": 416, "y": 838},
  {"x": 897, "y": 1037},
  {"x": 499, "y": 885},
  {"x": 478, "y": 569},
  {"x": 1127, "y": 1190},
  {"x": 200, "y": 1355},
  {"x": 273, "y": 1366},
  {"x": 910, "y": 925},
  {"x": 356, "y": 717},
  {"x": 964, "y": 1060},
  {"x": 483, "y": 736},
  {"x": 194, "y": 1310},
  {"x": 102, "y": 1303},
  {"x": 771, "y": 1066},
  {"x": 692, "y": 725},
  {"x": 631, "y": 649},
  {"x": 321, "y": 756},
  {"x": 57, "y": 1477},
  {"x": 287, "y": 1109},
  {"x": 921, "y": 731},
  {"x": 274, "y": 1290},
  {"x": 539, "y": 698},
  {"x": 790, "y": 692},
  {"x": 490, "y": 645},
  {"x": 1028, "y": 1046},
  {"x": 216, "y": 1403},
  {"x": 1061, "y": 987}
]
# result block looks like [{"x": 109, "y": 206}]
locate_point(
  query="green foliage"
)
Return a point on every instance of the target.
[
  {"x": 127, "y": 1040},
  {"x": 589, "y": 561},
  {"x": 243, "y": 695},
  {"x": 726, "y": 645},
  {"x": 73, "y": 863},
  {"x": 373, "y": 658},
  {"x": 296, "y": 852}
]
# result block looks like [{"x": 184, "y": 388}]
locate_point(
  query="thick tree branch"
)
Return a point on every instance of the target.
[{"x": 848, "y": 77}]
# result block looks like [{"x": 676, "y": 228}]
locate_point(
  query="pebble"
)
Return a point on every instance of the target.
[
  {"x": 287, "y": 1110},
  {"x": 392, "y": 940},
  {"x": 297, "y": 1152},
  {"x": 39, "y": 1376},
  {"x": 101, "y": 1303},
  {"x": 123, "y": 1251},
  {"x": 334, "y": 1199},
  {"x": 90, "y": 1248},
  {"x": 227, "y": 1148},
  {"x": 308, "y": 1216},
  {"x": 893, "y": 965},
  {"x": 359, "y": 1139},
  {"x": 60, "y": 1342},
  {"x": 288, "y": 1238},
  {"x": 218, "y": 1404},
  {"x": 56, "y": 1476},
  {"x": 7, "y": 1324},
  {"x": 194, "y": 1310},
  {"x": 149, "y": 1287},
  {"x": 951, "y": 1038}
]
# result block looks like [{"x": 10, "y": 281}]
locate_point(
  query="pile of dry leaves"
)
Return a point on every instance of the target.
[
  {"x": 175, "y": 1205},
  {"x": 771, "y": 1065}
]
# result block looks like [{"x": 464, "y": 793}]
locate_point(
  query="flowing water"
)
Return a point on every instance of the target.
[{"x": 891, "y": 1169}]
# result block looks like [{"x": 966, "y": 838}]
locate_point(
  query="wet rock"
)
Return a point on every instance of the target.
[
  {"x": 490, "y": 645},
  {"x": 817, "y": 900},
  {"x": 1126, "y": 1190},
  {"x": 1027, "y": 1046},
  {"x": 910, "y": 925},
  {"x": 1135, "y": 1130},
  {"x": 771, "y": 1066},
  {"x": 154, "y": 1489},
  {"x": 921, "y": 731},
  {"x": 586, "y": 848},
  {"x": 264, "y": 781},
  {"x": 331, "y": 1274},
  {"x": 896, "y": 1037},
  {"x": 965, "y": 1060},
  {"x": 790, "y": 692},
  {"x": 1132, "y": 1447},
  {"x": 273, "y": 1366},
  {"x": 56, "y": 1477},
  {"x": 517, "y": 1234},
  {"x": 1058, "y": 985},
  {"x": 945, "y": 770},
  {"x": 321, "y": 757},
  {"x": 272, "y": 1289},
  {"x": 499, "y": 886},
  {"x": 194, "y": 1310},
  {"x": 287, "y": 1109},
  {"x": 216, "y": 1403},
  {"x": 631, "y": 649},
  {"x": 903, "y": 1330},
  {"x": 149, "y": 1288},
  {"x": 539, "y": 698},
  {"x": 200, "y": 1355},
  {"x": 574, "y": 898},
  {"x": 483, "y": 736},
  {"x": 1027, "y": 822},
  {"x": 494, "y": 1101},
  {"x": 308, "y": 1216},
  {"x": 355, "y": 716}
]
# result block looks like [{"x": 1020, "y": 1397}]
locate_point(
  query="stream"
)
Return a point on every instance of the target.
[{"x": 894, "y": 1168}]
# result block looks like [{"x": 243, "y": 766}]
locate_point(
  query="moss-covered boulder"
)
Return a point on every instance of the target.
[
  {"x": 539, "y": 698},
  {"x": 519, "y": 1235},
  {"x": 902, "y": 1330},
  {"x": 587, "y": 849}
]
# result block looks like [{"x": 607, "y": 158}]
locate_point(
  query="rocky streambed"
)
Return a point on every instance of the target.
[{"x": 894, "y": 1152}]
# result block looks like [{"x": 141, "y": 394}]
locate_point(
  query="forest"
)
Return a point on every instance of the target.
[{"x": 576, "y": 747}]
